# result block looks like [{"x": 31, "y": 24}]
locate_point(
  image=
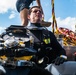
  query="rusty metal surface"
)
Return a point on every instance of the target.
[{"x": 70, "y": 50}]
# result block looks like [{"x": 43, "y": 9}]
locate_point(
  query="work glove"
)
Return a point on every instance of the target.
[{"x": 60, "y": 60}]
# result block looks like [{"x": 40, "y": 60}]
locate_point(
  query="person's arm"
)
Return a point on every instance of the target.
[
  {"x": 59, "y": 50},
  {"x": 56, "y": 45}
]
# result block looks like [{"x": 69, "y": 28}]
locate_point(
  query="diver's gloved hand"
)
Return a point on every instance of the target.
[{"x": 60, "y": 60}]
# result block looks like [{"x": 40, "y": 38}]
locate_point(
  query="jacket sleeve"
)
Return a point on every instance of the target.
[{"x": 56, "y": 46}]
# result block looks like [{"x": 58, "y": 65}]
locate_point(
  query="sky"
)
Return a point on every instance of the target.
[{"x": 65, "y": 13}]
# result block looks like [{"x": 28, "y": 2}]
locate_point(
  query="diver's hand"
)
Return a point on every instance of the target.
[{"x": 60, "y": 60}]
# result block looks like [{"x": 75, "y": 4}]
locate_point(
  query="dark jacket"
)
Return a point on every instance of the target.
[{"x": 52, "y": 49}]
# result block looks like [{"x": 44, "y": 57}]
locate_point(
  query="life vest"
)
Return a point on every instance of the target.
[{"x": 39, "y": 39}]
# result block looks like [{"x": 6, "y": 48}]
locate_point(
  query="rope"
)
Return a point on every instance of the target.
[{"x": 53, "y": 17}]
